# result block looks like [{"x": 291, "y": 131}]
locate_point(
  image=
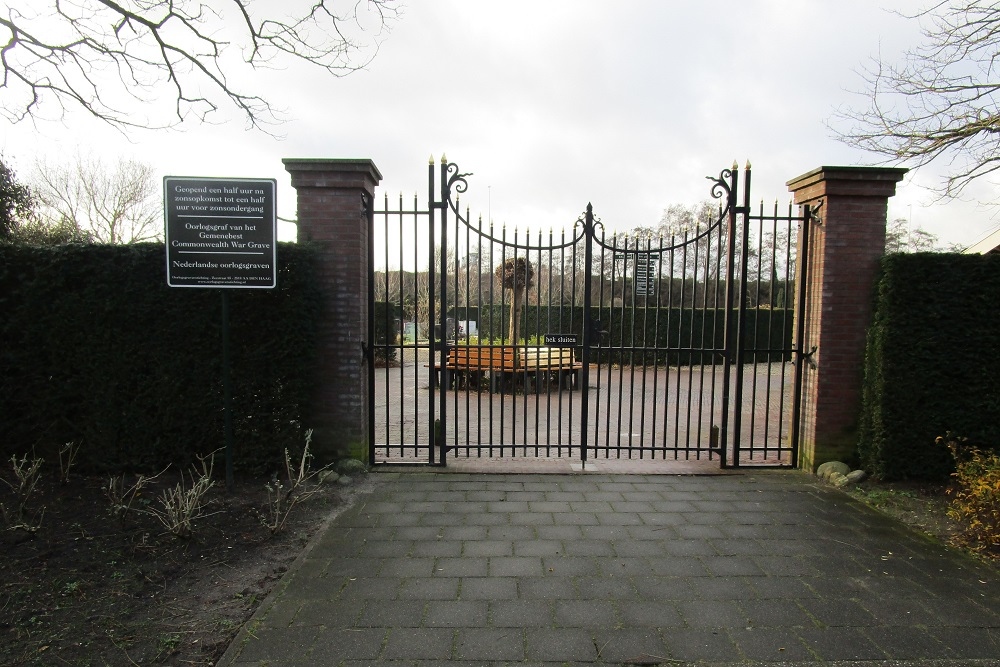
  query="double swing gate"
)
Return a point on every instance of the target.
[{"x": 667, "y": 344}]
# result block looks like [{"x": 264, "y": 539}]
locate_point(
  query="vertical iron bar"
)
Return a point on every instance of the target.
[
  {"x": 588, "y": 327},
  {"x": 719, "y": 255},
  {"x": 669, "y": 334},
  {"x": 658, "y": 286},
  {"x": 443, "y": 395},
  {"x": 369, "y": 352},
  {"x": 690, "y": 345},
  {"x": 802, "y": 262},
  {"x": 416, "y": 326},
  {"x": 729, "y": 330},
  {"x": 680, "y": 347},
  {"x": 741, "y": 322},
  {"x": 442, "y": 374}
]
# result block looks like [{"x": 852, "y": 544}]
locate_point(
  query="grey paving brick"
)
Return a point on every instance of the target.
[
  {"x": 338, "y": 644},
  {"x": 570, "y": 566},
  {"x": 721, "y": 588},
  {"x": 712, "y": 614},
  {"x": 510, "y": 533},
  {"x": 481, "y": 644},
  {"x": 383, "y": 614},
  {"x": 521, "y": 613},
  {"x": 456, "y": 613},
  {"x": 559, "y": 532},
  {"x": 700, "y": 644},
  {"x": 839, "y": 644},
  {"x": 435, "y": 588},
  {"x": 909, "y": 643},
  {"x": 584, "y": 613},
  {"x": 838, "y": 612},
  {"x": 278, "y": 643},
  {"x": 437, "y": 549},
  {"x": 559, "y": 645},
  {"x": 407, "y": 567},
  {"x": 371, "y": 588},
  {"x": 537, "y": 547},
  {"x": 416, "y": 533},
  {"x": 546, "y": 588},
  {"x": 606, "y": 588},
  {"x": 771, "y": 644},
  {"x": 775, "y": 613},
  {"x": 515, "y": 566},
  {"x": 533, "y": 519},
  {"x": 489, "y": 588},
  {"x": 467, "y": 566},
  {"x": 409, "y": 644},
  {"x": 663, "y": 588},
  {"x": 589, "y": 547},
  {"x": 486, "y": 548},
  {"x": 731, "y": 566}
]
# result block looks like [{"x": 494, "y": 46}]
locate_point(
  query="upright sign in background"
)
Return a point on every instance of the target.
[{"x": 220, "y": 232}]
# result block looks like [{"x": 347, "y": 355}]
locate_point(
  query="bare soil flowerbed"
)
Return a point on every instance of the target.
[{"x": 87, "y": 589}]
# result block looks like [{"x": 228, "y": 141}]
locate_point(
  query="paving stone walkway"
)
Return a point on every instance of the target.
[{"x": 761, "y": 567}]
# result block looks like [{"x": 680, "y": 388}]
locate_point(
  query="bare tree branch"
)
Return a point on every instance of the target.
[
  {"x": 115, "y": 204},
  {"x": 125, "y": 62},
  {"x": 941, "y": 101}
]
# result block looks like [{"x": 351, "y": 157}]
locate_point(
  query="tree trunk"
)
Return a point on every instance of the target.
[{"x": 515, "y": 315}]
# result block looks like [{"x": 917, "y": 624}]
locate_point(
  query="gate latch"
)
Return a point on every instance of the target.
[{"x": 596, "y": 331}]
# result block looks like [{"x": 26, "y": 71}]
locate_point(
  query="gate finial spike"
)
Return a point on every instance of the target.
[
  {"x": 431, "y": 161},
  {"x": 444, "y": 159},
  {"x": 748, "y": 165},
  {"x": 736, "y": 165}
]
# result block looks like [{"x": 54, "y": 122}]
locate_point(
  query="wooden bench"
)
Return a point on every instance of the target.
[{"x": 472, "y": 364}]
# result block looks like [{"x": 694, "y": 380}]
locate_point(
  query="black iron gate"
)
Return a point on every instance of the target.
[{"x": 661, "y": 344}]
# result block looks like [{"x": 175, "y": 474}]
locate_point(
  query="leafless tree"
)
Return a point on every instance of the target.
[
  {"x": 900, "y": 236},
  {"x": 114, "y": 204},
  {"x": 941, "y": 101},
  {"x": 114, "y": 58}
]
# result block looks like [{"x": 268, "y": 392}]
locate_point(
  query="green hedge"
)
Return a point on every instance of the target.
[
  {"x": 932, "y": 363},
  {"x": 663, "y": 328},
  {"x": 97, "y": 349}
]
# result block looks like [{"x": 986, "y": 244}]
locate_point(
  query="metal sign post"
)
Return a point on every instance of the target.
[{"x": 221, "y": 233}]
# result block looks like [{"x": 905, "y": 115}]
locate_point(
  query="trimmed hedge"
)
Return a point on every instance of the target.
[
  {"x": 97, "y": 349},
  {"x": 663, "y": 328},
  {"x": 932, "y": 363}
]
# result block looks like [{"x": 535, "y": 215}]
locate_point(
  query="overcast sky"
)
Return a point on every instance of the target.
[{"x": 627, "y": 104}]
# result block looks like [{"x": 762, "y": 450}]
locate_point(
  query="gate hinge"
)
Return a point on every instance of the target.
[
  {"x": 814, "y": 216},
  {"x": 808, "y": 357}
]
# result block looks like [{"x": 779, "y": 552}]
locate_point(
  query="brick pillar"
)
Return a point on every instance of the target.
[
  {"x": 331, "y": 215},
  {"x": 842, "y": 263}
]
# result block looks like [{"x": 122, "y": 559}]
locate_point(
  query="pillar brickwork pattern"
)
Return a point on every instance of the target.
[
  {"x": 847, "y": 241},
  {"x": 331, "y": 196}
]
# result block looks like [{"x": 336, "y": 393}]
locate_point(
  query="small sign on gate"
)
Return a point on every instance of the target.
[{"x": 561, "y": 340}]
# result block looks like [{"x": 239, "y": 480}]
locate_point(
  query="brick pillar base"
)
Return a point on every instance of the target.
[
  {"x": 331, "y": 215},
  {"x": 841, "y": 268}
]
